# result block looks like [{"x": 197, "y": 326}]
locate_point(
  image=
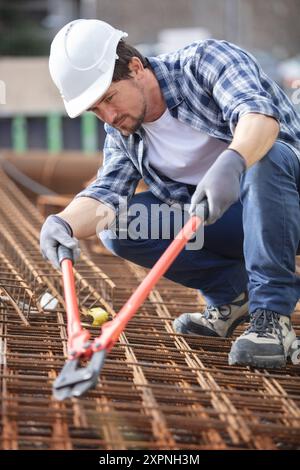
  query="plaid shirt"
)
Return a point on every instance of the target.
[{"x": 208, "y": 85}]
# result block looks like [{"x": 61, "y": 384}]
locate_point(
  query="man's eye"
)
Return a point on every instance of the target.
[{"x": 109, "y": 98}]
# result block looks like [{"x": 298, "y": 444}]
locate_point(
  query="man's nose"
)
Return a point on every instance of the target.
[{"x": 107, "y": 114}]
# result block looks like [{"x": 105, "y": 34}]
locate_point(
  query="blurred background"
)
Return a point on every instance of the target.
[
  {"x": 36, "y": 136},
  {"x": 157, "y": 391}
]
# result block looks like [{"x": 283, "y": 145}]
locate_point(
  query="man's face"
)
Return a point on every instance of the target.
[{"x": 123, "y": 106}]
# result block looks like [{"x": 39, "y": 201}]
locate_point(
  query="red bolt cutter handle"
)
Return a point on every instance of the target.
[
  {"x": 73, "y": 380},
  {"x": 112, "y": 330},
  {"x": 78, "y": 337}
]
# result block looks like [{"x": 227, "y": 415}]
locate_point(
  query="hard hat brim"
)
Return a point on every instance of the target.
[{"x": 83, "y": 102}]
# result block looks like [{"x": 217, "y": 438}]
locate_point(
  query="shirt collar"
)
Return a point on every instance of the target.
[{"x": 167, "y": 82}]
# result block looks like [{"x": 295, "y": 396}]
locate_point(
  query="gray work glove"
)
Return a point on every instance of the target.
[
  {"x": 56, "y": 231},
  {"x": 220, "y": 185}
]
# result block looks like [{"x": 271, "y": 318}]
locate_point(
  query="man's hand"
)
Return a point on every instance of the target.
[
  {"x": 220, "y": 185},
  {"x": 56, "y": 231}
]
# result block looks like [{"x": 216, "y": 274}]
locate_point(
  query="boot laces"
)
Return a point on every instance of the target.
[
  {"x": 265, "y": 323},
  {"x": 212, "y": 312}
]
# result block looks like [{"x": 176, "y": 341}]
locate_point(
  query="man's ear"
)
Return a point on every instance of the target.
[{"x": 135, "y": 66}]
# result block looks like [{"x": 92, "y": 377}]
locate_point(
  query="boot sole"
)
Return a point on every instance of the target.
[{"x": 244, "y": 358}]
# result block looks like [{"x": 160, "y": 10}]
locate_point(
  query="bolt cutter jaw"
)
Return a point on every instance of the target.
[{"x": 74, "y": 380}]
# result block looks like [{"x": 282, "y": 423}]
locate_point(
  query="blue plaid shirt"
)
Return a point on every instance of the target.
[{"x": 208, "y": 85}]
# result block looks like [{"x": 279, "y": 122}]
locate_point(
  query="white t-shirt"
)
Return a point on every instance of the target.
[{"x": 178, "y": 151}]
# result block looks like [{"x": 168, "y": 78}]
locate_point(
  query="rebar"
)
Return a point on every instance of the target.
[{"x": 157, "y": 390}]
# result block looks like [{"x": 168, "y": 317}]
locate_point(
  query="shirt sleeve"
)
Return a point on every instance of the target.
[
  {"x": 237, "y": 83},
  {"x": 116, "y": 180}
]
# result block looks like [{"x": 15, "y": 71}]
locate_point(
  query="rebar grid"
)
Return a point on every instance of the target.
[
  {"x": 19, "y": 239},
  {"x": 157, "y": 390},
  {"x": 14, "y": 291}
]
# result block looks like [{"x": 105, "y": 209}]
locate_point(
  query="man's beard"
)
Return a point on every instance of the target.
[{"x": 136, "y": 121}]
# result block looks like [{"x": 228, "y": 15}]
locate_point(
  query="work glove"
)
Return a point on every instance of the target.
[
  {"x": 56, "y": 231},
  {"x": 220, "y": 185}
]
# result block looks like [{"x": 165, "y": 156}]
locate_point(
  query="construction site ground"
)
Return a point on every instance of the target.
[{"x": 157, "y": 390}]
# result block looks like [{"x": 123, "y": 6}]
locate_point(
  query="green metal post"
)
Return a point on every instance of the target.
[
  {"x": 19, "y": 134},
  {"x": 89, "y": 133},
  {"x": 54, "y": 133}
]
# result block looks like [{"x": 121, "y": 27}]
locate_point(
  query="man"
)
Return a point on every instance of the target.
[{"x": 206, "y": 122}]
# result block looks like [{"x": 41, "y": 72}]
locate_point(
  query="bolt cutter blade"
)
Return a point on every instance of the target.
[
  {"x": 61, "y": 394},
  {"x": 71, "y": 374},
  {"x": 73, "y": 381},
  {"x": 94, "y": 369}
]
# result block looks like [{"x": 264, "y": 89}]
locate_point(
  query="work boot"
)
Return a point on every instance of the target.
[
  {"x": 214, "y": 321},
  {"x": 266, "y": 343}
]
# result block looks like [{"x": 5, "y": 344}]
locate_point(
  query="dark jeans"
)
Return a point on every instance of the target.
[{"x": 253, "y": 245}]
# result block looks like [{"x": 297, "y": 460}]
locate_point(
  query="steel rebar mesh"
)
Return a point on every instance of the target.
[{"x": 157, "y": 390}]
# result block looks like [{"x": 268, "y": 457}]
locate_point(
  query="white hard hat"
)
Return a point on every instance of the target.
[{"x": 82, "y": 61}]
